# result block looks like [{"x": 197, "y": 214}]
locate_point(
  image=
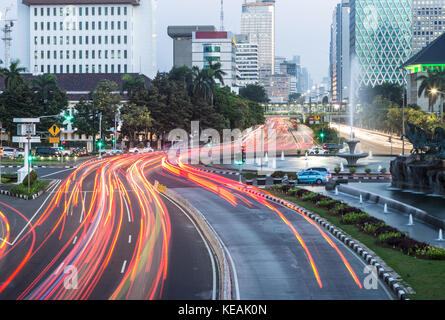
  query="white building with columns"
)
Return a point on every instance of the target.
[{"x": 85, "y": 36}]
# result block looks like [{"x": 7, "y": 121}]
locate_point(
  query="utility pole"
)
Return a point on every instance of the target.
[
  {"x": 115, "y": 132},
  {"x": 222, "y": 15},
  {"x": 7, "y": 38},
  {"x": 1, "y": 148},
  {"x": 28, "y": 136}
]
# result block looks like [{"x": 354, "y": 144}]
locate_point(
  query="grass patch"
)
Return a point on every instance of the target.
[
  {"x": 426, "y": 277},
  {"x": 36, "y": 187}
]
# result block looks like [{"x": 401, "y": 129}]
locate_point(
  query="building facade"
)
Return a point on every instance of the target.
[
  {"x": 258, "y": 22},
  {"x": 182, "y": 43},
  {"x": 94, "y": 36},
  {"x": 210, "y": 47},
  {"x": 339, "y": 53},
  {"x": 246, "y": 61},
  {"x": 428, "y": 22},
  {"x": 380, "y": 41},
  {"x": 277, "y": 87}
]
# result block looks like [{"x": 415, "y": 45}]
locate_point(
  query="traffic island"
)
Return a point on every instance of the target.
[{"x": 419, "y": 267}]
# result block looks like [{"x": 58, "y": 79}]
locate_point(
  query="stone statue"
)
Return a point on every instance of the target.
[{"x": 422, "y": 144}]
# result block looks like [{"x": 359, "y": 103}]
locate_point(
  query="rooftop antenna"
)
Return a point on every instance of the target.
[
  {"x": 7, "y": 38},
  {"x": 222, "y": 15}
]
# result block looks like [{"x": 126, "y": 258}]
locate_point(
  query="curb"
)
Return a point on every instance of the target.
[
  {"x": 225, "y": 272},
  {"x": 391, "y": 283},
  {"x": 31, "y": 197},
  {"x": 49, "y": 167}
]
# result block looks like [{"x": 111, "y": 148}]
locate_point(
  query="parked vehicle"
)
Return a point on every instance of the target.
[
  {"x": 114, "y": 151},
  {"x": 133, "y": 150},
  {"x": 9, "y": 152},
  {"x": 323, "y": 170},
  {"x": 147, "y": 149},
  {"x": 66, "y": 152},
  {"x": 317, "y": 150},
  {"x": 312, "y": 177},
  {"x": 47, "y": 152},
  {"x": 331, "y": 147}
]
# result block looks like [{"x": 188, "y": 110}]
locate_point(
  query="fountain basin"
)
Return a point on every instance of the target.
[{"x": 352, "y": 159}]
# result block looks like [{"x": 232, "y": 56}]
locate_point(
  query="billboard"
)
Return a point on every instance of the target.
[{"x": 8, "y": 10}]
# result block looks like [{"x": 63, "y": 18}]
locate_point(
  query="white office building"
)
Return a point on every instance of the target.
[
  {"x": 428, "y": 22},
  {"x": 85, "y": 36},
  {"x": 210, "y": 47},
  {"x": 258, "y": 22},
  {"x": 247, "y": 61}
]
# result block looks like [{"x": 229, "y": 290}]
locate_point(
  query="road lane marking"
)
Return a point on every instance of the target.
[
  {"x": 128, "y": 209},
  {"x": 57, "y": 172},
  {"x": 129, "y": 238},
  {"x": 123, "y": 266},
  {"x": 75, "y": 239},
  {"x": 32, "y": 218},
  {"x": 83, "y": 206},
  {"x": 212, "y": 259}
]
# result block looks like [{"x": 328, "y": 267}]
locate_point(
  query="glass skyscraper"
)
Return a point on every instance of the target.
[
  {"x": 428, "y": 22},
  {"x": 381, "y": 34}
]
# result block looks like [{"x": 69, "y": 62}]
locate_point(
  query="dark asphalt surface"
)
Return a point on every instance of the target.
[
  {"x": 189, "y": 275},
  {"x": 269, "y": 261}
]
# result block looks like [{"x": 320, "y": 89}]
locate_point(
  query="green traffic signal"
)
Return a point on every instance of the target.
[
  {"x": 30, "y": 158},
  {"x": 321, "y": 134}
]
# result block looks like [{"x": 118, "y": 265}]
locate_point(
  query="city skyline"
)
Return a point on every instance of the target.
[{"x": 290, "y": 18}]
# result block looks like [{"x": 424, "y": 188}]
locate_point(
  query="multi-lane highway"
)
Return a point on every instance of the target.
[{"x": 104, "y": 232}]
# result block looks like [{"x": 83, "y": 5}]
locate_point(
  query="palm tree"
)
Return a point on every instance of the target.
[
  {"x": 204, "y": 83},
  {"x": 12, "y": 75},
  {"x": 432, "y": 80},
  {"x": 132, "y": 84},
  {"x": 216, "y": 72},
  {"x": 45, "y": 85}
]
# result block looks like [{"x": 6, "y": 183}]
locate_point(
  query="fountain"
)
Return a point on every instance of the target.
[
  {"x": 336, "y": 191},
  {"x": 411, "y": 220},
  {"x": 274, "y": 163},
  {"x": 440, "y": 236},
  {"x": 342, "y": 167},
  {"x": 361, "y": 199},
  {"x": 352, "y": 157},
  {"x": 370, "y": 157},
  {"x": 266, "y": 158},
  {"x": 282, "y": 155},
  {"x": 385, "y": 208}
]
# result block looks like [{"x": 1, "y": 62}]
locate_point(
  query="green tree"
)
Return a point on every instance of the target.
[
  {"x": 131, "y": 85},
  {"x": 432, "y": 80},
  {"x": 255, "y": 93},
  {"x": 12, "y": 76},
  {"x": 135, "y": 119}
]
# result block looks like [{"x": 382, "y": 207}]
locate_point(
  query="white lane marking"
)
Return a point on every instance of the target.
[
  {"x": 58, "y": 269},
  {"x": 123, "y": 266},
  {"x": 129, "y": 238},
  {"x": 75, "y": 239},
  {"x": 32, "y": 218},
  {"x": 83, "y": 206},
  {"x": 57, "y": 172},
  {"x": 128, "y": 210},
  {"x": 212, "y": 259}
]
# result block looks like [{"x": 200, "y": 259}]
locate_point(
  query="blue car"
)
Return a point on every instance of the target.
[{"x": 312, "y": 177}]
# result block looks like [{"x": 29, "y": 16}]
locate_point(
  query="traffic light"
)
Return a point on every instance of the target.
[
  {"x": 322, "y": 135},
  {"x": 243, "y": 154},
  {"x": 68, "y": 117},
  {"x": 100, "y": 143},
  {"x": 30, "y": 158}
]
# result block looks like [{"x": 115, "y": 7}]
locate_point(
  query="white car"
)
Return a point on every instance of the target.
[
  {"x": 317, "y": 150},
  {"x": 66, "y": 152},
  {"x": 147, "y": 149},
  {"x": 114, "y": 151},
  {"x": 133, "y": 150},
  {"x": 9, "y": 152}
]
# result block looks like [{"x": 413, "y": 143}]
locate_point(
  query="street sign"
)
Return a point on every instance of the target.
[
  {"x": 54, "y": 130},
  {"x": 54, "y": 140},
  {"x": 25, "y": 140},
  {"x": 317, "y": 118}
]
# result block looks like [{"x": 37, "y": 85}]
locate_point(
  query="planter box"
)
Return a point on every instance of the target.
[
  {"x": 249, "y": 182},
  {"x": 261, "y": 181},
  {"x": 277, "y": 180},
  {"x": 292, "y": 183}
]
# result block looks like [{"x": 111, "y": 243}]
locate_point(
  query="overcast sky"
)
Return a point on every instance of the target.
[{"x": 302, "y": 27}]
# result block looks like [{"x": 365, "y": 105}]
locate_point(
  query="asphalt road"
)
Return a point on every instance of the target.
[
  {"x": 275, "y": 250},
  {"x": 124, "y": 240}
]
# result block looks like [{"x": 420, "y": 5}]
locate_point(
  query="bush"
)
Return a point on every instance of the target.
[
  {"x": 278, "y": 174},
  {"x": 410, "y": 246},
  {"x": 383, "y": 170},
  {"x": 292, "y": 176},
  {"x": 249, "y": 176},
  {"x": 38, "y": 186},
  {"x": 384, "y": 237},
  {"x": 32, "y": 178},
  {"x": 352, "y": 170},
  {"x": 431, "y": 253},
  {"x": 293, "y": 191},
  {"x": 308, "y": 196},
  {"x": 299, "y": 151},
  {"x": 354, "y": 217},
  {"x": 325, "y": 203},
  {"x": 385, "y": 229},
  {"x": 367, "y": 170},
  {"x": 370, "y": 228},
  {"x": 345, "y": 209},
  {"x": 302, "y": 192},
  {"x": 337, "y": 170}
]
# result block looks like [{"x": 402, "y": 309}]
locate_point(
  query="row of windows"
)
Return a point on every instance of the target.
[
  {"x": 80, "y": 40},
  {"x": 88, "y": 25},
  {"x": 80, "y": 69},
  {"x": 80, "y": 11},
  {"x": 67, "y": 54}
]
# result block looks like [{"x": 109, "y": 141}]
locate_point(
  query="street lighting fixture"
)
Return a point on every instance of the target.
[{"x": 435, "y": 91}]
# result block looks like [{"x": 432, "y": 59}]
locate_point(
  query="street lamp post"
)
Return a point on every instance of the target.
[
  {"x": 403, "y": 124},
  {"x": 100, "y": 135},
  {"x": 441, "y": 93}
]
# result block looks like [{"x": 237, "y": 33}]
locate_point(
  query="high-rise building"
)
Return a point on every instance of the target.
[
  {"x": 339, "y": 53},
  {"x": 290, "y": 69},
  {"x": 380, "y": 41},
  {"x": 258, "y": 22},
  {"x": 92, "y": 36},
  {"x": 278, "y": 87},
  {"x": 182, "y": 43},
  {"x": 428, "y": 22},
  {"x": 247, "y": 61},
  {"x": 277, "y": 64},
  {"x": 210, "y": 47}
]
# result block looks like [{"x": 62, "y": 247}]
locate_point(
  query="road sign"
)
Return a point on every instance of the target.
[
  {"x": 54, "y": 130},
  {"x": 54, "y": 140},
  {"x": 25, "y": 140},
  {"x": 317, "y": 118}
]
